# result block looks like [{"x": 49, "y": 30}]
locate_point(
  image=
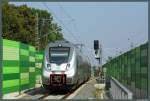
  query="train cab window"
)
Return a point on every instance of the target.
[{"x": 59, "y": 55}]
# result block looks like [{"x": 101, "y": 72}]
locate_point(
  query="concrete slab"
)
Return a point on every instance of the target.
[{"x": 85, "y": 91}]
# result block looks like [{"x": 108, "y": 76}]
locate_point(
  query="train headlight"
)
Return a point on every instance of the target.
[
  {"x": 49, "y": 66},
  {"x": 68, "y": 66}
]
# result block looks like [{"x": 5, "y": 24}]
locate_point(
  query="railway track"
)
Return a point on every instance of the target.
[
  {"x": 71, "y": 92},
  {"x": 40, "y": 93},
  {"x": 47, "y": 95},
  {"x": 63, "y": 96},
  {"x": 44, "y": 96}
]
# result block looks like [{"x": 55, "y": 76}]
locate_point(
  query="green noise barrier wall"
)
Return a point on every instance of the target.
[
  {"x": 24, "y": 67},
  {"x": 131, "y": 69},
  {"x": 19, "y": 71},
  {"x": 32, "y": 74},
  {"x": 10, "y": 69},
  {"x": 39, "y": 60}
]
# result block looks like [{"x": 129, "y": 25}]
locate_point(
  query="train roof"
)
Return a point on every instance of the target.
[
  {"x": 61, "y": 43},
  {"x": 64, "y": 43}
]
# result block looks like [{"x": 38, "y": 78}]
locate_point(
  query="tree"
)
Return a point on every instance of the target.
[{"x": 19, "y": 23}]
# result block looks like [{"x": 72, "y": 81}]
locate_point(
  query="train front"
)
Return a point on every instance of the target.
[{"x": 59, "y": 67}]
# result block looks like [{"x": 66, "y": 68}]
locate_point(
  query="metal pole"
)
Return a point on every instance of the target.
[
  {"x": 37, "y": 40},
  {"x": 37, "y": 33},
  {"x": 45, "y": 35}
]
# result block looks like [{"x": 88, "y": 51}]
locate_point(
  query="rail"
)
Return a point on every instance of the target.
[{"x": 119, "y": 91}]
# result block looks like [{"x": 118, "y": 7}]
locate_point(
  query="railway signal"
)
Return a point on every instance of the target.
[
  {"x": 96, "y": 44},
  {"x": 98, "y": 52},
  {"x": 97, "y": 49}
]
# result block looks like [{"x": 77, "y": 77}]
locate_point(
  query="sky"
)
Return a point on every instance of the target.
[{"x": 116, "y": 25}]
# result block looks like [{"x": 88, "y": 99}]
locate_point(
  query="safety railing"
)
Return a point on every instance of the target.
[{"x": 119, "y": 91}]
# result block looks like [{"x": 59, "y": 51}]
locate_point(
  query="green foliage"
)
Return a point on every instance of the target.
[{"x": 19, "y": 23}]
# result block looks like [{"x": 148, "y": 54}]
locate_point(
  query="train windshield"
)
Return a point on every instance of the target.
[{"x": 59, "y": 55}]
